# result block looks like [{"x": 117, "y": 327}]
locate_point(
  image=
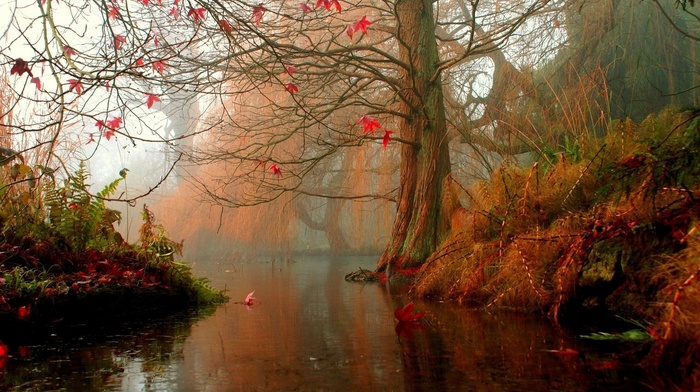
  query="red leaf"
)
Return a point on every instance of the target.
[
  {"x": 109, "y": 134},
  {"x": 258, "y": 12},
  {"x": 92, "y": 139},
  {"x": 174, "y": 12},
  {"x": 305, "y": 7},
  {"x": 337, "y": 5},
  {"x": 405, "y": 313},
  {"x": 68, "y": 51},
  {"x": 292, "y": 88},
  {"x": 159, "y": 66},
  {"x": 20, "y": 67},
  {"x": 139, "y": 61},
  {"x": 369, "y": 124},
  {"x": 151, "y": 99},
  {"x": 75, "y": 85},
  {"x": 405, "y": 328},
  {"x": 385, "y": 140},
  {"x": 3, "y": 349},
  {"x": 100, "y": 124},
  {"x": 350, "y": 31},
  {"x": 145, "y": 2},
  {"x": 290, "y": 69},
  {"x": 112, "y": 11},
  {"x": 114, "y": 123},
  {"x": 176, "y": 2},
  {"x": 326, "y": 4},
  {"x": 37, "y": 82},
  {"x": 118, "y": 41},
  {"x": 276, "y": 170},
  {"x": 197, "y": 14},
  {"x": 248, "y": 301},
  {"x": 155, "y": 41},
  {"x": 24, "y": 311},
  {"x": 225, "y": 26},
  {"x": 361, "y": 25}
]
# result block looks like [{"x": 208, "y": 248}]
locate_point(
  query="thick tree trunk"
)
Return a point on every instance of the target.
[{"x": 422, "y": 220}]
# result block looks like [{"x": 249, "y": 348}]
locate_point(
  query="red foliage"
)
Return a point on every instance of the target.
[
  {"x": 76, "y": 85},
  {"x": 385, "y": 140},
  {"x": 276, "y": 171},
  {"x": 115, "y": 122},
  {"x": 24, "y": 311},
  {"x": 290, "y": 69},
  {"x": 118, "y": 41},
  {"x": 37, "y": 82},
  {"x": 159, "y": 66},
  {"x": 68, "y": 51},
  {"x": 305, "y": 7},
  {"x": 20, "y": 67},
  {"x": 151, "y": 99},
  {"x": 197, "y": 14},
  {"x": 74, "y": 272},
  {"x": 248, "y": 301},
  {"x": 112, "y": 11},
  {"x": 405, "y": 328},
  {"x": 406, "y": 313},
  {"x": 292, "y": 88},
  {"x": 369, "y": 124},
  {"x": 328, "y": 3},
  {"x": 258, "y": 12},
  {"x": 225, "y": 26},
  {"x": 361, "y": 25},
  {"x": 407, "y": 271}
]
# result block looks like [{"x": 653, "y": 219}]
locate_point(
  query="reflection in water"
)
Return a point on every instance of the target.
[{"x": 310, "y": 330}]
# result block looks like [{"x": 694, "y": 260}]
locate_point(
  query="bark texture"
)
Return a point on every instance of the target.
[{"x": 422, "y": 221}]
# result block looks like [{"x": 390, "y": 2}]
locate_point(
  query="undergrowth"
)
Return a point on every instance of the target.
[
  {"x": 58, "y": 241},
  {"x": 538, "y": 238}
]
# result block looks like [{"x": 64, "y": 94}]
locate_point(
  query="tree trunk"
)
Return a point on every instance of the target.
[{"x": 422, "y": 220}]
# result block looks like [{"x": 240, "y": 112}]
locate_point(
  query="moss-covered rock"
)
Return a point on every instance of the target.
[{"x": 602, "y": 273}]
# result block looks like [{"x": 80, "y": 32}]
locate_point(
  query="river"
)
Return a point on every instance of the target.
[{"x": 309, "y": 330}]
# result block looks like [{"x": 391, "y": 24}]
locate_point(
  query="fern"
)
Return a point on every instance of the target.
[{"x": 79, "y": 218}]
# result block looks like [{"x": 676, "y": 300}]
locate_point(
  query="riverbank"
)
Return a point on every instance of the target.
[
  {"x": 42, "y": 286},
  {"x": 609, "y": 227},
  {"x": 62, "y": 261}
]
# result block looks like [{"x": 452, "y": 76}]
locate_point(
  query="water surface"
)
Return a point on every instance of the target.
[{"x": 309, "y": 330}]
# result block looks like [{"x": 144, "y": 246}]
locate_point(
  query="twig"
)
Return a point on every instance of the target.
[
  {"x": 674, "y": 304},
  {"x": 585, "y": 169}
]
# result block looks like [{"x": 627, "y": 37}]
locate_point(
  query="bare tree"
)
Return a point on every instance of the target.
[{"x": 285, "y": 86}]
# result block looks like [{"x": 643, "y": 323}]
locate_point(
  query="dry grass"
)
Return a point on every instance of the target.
[{"x": 527, "y": 232}]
